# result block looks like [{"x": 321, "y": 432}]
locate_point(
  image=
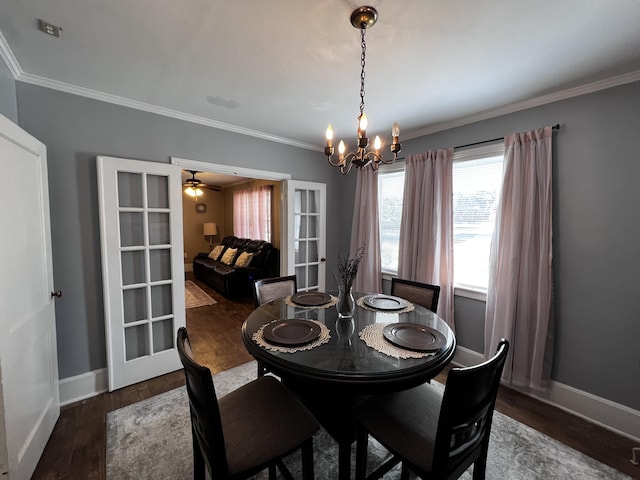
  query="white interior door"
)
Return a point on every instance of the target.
[
  {"x": 306, "y": 233},
  {"x": 29, "y": 396},
  {"x": 142, "y": 267}
]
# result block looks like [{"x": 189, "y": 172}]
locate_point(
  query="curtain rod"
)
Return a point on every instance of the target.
[{"x": 555, "y": 127}]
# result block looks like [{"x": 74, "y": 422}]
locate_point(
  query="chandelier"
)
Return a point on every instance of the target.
[{"x": 362, "y": 18}]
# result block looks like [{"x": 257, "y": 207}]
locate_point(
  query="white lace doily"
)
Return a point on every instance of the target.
[
  {"x": 331, "y": 303},
  {"x": 324, "y": 337},
  {"x": 361, "y": 303},
  {"x": 373, "y": 337}
]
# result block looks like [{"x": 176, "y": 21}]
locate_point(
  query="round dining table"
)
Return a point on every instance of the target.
[{"x": 339, "y": 373}]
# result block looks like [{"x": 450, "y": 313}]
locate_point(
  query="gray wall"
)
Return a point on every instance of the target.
[
  {"x": 8, "y": 106},
  {"x": 596, "y": 237},
  {"x": 596, "y": 225},
  {"x": 77, "y": 129}
]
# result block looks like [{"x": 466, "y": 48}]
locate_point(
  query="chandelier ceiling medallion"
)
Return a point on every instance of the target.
[{"x": 362, "y": 18}]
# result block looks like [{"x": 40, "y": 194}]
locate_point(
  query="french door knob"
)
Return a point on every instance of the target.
[
  {"x": 323, "y": 259},
  {"x": 57, "y": 293}
]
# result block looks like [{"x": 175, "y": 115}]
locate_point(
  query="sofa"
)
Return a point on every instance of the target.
[{"x": 232, "y": 266}]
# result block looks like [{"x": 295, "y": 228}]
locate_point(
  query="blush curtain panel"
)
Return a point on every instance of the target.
[
  {"x": 252, "y": 213},
  {"x": 519, "y": 298},
  {"x": 365, "y": 231},
  {"x": 426, "y": 226}
]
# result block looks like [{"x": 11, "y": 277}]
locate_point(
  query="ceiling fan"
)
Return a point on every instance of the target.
[{"x": 193, "y": 187}]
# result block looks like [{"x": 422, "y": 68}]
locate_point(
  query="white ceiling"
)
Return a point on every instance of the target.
[{"x": 284, "y": 69}]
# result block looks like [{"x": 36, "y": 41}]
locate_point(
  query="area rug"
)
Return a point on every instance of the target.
[
  {"x": 194, "y": 296},
  {"x": 152, "y": 439}
]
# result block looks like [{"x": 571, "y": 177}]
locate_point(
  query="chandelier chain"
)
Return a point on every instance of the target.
[{"x": 363, "y": 44}]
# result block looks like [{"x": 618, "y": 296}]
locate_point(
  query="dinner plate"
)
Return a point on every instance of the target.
[
  {"x": 385, "y": 302},
  {"x": 291, "y": 332},
  {"x": 414, "y": 337},
  {"x": 311, "y": 299}
]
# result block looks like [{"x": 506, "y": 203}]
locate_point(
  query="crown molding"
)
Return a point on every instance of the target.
[
  {"x": 20, "y": 75},
  {"x": 9, "y": 58},
  {"x": 527, "y": 104},
  {"x": 125, "y": 102}
]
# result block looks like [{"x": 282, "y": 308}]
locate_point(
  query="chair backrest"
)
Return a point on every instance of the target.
[
  {"x": 267, "y": 289},
  {"x": 466, "y": 413},
  {"x": 206, "y": 425},
  {"x": 416, "y": 292}
]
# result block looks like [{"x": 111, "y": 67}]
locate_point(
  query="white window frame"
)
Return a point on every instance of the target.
[{"x": 460, "y": 155}]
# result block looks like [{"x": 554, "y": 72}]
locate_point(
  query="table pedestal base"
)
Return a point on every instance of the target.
[{"x": 337, "y": 413}]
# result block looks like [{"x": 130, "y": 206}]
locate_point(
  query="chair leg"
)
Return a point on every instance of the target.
[
  {"x": 479, "y": 468},
  {"x": 480, "y": 465},
  {"x": 404, "y": 473},
  {"x": 261, "y": 369},
  {"x": 272, "y": 472},
  {"x": 307, "y": 460},
  {"x": 199, "y": 467},
  {"x": 362, "y": 443}
]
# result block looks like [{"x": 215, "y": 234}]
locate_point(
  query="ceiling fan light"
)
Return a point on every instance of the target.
[{"x": 193, "y": 192}]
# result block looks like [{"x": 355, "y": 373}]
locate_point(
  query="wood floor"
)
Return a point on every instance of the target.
[{"x": 76, "y": 449}]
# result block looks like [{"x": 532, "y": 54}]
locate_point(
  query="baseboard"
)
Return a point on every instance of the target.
[
  {"x": 80, "y": 387},
  {"x": 610, "y": 415}
]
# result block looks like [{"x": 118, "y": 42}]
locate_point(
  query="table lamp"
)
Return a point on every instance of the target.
[{"x": 210, "y": 230}]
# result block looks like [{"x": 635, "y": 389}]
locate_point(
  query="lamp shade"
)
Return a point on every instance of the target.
[{"x": 210, "y": 228}]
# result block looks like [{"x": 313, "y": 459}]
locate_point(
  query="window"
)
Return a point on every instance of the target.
[
  {"x": 477, "y": 178},
  {"x": 252, "y": 213},
  {"x": 390, "y": 191}
]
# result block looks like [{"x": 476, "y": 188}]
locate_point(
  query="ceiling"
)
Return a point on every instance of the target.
[{"x": 285, "y": 69}]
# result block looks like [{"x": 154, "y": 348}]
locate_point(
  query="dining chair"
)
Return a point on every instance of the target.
[
  {"x": 267, "y": 289},
  {"x": 416, "y": 292},
  {"x": 436, "y": 433},
  {"x": 252, "y": 428}
]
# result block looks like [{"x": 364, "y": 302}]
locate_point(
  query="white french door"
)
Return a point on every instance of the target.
[
  {"x": 306, "y": 234},
  {"x": 29, "y": 395},
  {"x": 142, "y": 267}
]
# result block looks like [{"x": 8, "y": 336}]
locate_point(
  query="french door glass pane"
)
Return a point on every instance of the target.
[
  {"x": 162, "y": 335},
  {"x": 160, "y": 264},
  {"x": 313, "y": 250},
  {"x": 131, "y": 229},
  {"x": 133, "y": 267},
  {"x": 135, "y": 340},
  {"x": 134, "y": 302},
  {"x": 312, "y": 227},
  {"x": 129, "y": 190},
  {"x": 301, "y": 251},
  {"x": 157, "y": 191},
  {"x": 300, "y": 202},
  {"x": 301, "y": 277},
  {"x": 159, "y": 232},
  {"x": 313, "y": 201},
  {"x": 161, "y": 302}
]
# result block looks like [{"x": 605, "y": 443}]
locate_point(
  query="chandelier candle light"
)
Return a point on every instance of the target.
[{"x": 362, "y": 18}]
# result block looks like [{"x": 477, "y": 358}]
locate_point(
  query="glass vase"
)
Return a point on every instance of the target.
[{"x": 346, "y": 304}]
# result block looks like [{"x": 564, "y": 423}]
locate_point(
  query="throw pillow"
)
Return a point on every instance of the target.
[
  {"x": 244, "y": 259},
  {"x": 215, "y": 253},
  {"x": 229, "y": 255}
]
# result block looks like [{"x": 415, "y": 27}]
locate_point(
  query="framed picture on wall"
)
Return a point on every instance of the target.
[{"x": 201, "y": 207}]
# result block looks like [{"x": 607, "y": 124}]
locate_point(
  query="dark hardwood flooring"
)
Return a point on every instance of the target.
[{"x": 76, "y": 449}]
